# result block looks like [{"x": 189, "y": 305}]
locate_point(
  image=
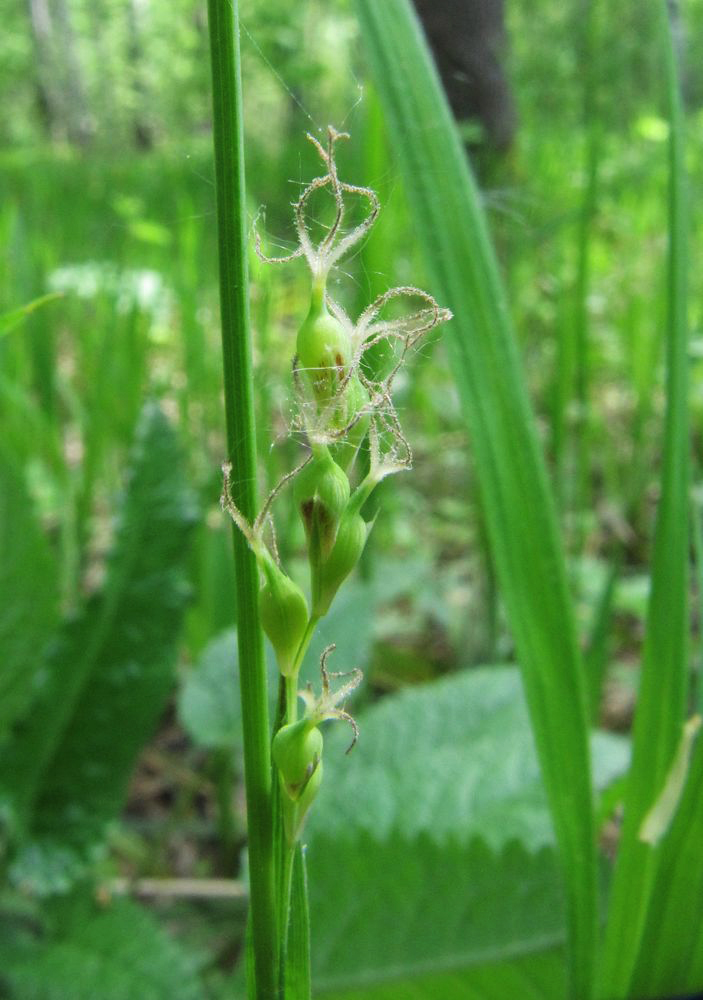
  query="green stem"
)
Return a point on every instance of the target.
[
  {"x": 291, "y": 698},
  {"x": 241, "y": 448},
  {"x": 284, "y": 911},
  {"x": 288, "y": 712}
]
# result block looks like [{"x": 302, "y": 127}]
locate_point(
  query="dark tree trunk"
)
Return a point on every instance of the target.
[
  {"x": 42, "y": 30},
  {"x": 78, "y": 121},
  {"x": 141, "y": 129},
  {"x": 468, "y": 40}
]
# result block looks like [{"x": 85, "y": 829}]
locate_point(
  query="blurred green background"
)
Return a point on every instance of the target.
[{"x": 107, "y": 197}]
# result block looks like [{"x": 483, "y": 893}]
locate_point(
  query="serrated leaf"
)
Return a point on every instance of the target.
[
  {"x": 431, "y": 848},
  {"x": 531, "y": 977},
  {"x": 109, "y": 674},
  {"x": 517, "y": 504},
  {"x": 114, "y": 953},
  {"x": 208, "y": 703},
  {"x": 29, "y": 589}
]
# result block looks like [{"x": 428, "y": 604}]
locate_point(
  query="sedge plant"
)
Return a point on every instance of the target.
[{"x": 341, "y": 404}]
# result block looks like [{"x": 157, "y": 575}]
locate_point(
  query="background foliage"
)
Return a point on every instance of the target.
[{"x": 117, "y": 612}]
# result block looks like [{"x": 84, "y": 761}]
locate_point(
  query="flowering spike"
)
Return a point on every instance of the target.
[{"x": 324, "y": 706}]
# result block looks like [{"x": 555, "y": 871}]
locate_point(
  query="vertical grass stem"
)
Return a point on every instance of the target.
[{"x": 241, "y": 447}]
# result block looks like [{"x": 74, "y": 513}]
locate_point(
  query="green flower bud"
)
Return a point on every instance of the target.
[
  {"x": 322, "y": 493},
  {"x": 324, "y": 350},
  {"x": 297, "y": 751},
  {"x": 294, "y": 820},
  {"x": 345, "y": 554},
  {"x": 355, "y": 401},
  {"x": 284, "y": 614}
]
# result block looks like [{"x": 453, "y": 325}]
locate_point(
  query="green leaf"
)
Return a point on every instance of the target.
[
  {"x": 532, "y": 977},
  {"x": 298, "y": 953},
  {"x": 114, "y": 953},
  {"x": 9, "y": 320},
  {"x": 664, "y": 674},
  {"x": 29, "y": 588},
  {"x": 432, "y": 849},
  {"x": 111, "y": 669},
  {"x": 516, "y": 500},
  {"x": 349, "y": 626},
  {"x": 208, "y": 703},
  {"x": 670, "y": 958}
]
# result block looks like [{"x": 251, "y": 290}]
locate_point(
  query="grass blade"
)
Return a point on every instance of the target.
[
  {"x": 670, "y": 960},
  {"x": 518, "y": 506},
  {"x": 298, "y": 953},
  {"x": 241, "y": 452},
  {"x": 10, "y": 320},
  {"x": 664, "y": 676}
]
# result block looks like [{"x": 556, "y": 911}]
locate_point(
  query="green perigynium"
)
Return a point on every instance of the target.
[
  {"x": 297, "y": 746},
  {"x": 340, "y": 402}
]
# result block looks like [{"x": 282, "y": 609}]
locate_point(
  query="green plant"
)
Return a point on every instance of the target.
[
  {"x": 340, "y": 405},
  {"x": 525, "y": 547},
  {"x": 82, "y": 694}
]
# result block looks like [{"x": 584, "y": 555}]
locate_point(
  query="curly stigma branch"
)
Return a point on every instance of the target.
[{"x": 344, "y": 401}]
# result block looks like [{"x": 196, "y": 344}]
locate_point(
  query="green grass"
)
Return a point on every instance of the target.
[
  {"x": 241, "y": 454},
  {"x": 498, "y": 429}
]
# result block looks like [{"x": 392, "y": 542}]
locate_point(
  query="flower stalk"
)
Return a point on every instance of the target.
[{"x": 339, "y": 405}]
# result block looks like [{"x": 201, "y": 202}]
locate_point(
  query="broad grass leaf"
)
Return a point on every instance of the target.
[{"x": 516, "y": 500}]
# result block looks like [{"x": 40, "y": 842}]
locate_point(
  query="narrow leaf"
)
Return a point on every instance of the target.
[
  {"x": 9, "y": 320},
  {"x": 516, "y": 499},
  {"x": 664, "y": 674},
  {"x": 298, "y": 953},
  {"x": 658, "y": 819},
  {"x": 670, "y": 959}
]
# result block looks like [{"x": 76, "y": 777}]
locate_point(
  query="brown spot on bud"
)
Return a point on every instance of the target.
[{"x": 306, "y": 508}]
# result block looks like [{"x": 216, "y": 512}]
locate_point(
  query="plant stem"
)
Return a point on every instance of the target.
[
  {"x": 241, "y": 448},
  {"x": 284, "y": 911},
  {"x": 291, "y": 699}
]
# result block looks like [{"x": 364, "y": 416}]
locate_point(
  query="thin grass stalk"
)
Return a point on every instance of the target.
[
  {"x": 241, "y": 451},
  {"x": 664, "y": 677}
]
